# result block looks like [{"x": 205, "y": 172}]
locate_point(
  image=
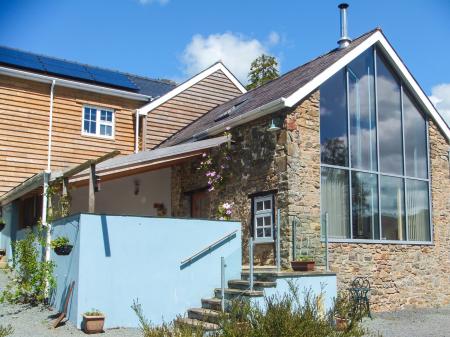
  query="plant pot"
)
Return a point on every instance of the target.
[
  {"x": 2, "y": 252},
  {"x": 303, "y": 265},
  {"x": 63, "y": 250},
  {"x": 341, "y": 323},
  {"x": 2, "y": 226},
  {"x": 93, "y": 324}
]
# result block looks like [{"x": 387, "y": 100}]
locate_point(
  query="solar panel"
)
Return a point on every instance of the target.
[
  {"x": 111, "y": 78},
  {"x": 20, "y": 59},
  {"x": 65, "y": 68}
]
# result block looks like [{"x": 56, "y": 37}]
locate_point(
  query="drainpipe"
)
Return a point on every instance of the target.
[
  {"x": 47, "y": 176},
  {"x": 136, "y": 136}
]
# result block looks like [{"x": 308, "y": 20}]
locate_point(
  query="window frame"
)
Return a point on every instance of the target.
[
  {"x": 378, "y": 172},
  {"x": 99, "y": 122},
  {"x": 261, "y": 214}
]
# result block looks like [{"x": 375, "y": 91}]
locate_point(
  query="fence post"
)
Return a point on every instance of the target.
[
  {"x": 278, "y": 241},
  {"x": 222, "y": 282},
  {"x": 326, "y": 242},
  {"x": 250, "y": 257},
  {"x": 294, "y": 237}
]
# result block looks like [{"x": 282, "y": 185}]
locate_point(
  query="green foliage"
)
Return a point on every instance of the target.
[
  {"x": 58, "y": 204},
  {"x": 166, "y": 329},
  {"x": 304, "y": 258},
  {"x": 93, "y": 312},
  {"x": 30, "y": 278},
  {"x": 59, "y": 242},
  {"x": 6, "y": 330},
  {"x": 262, "y": 70}
]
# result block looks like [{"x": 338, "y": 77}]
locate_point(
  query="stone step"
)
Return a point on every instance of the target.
[
  {"x": 233, "y": 293},
  {"x": 205, "y": 315},
  {"x": 196, "y": 323},
  {"x": 245, "y": 284},
  {"x": 212, "y": 303}
]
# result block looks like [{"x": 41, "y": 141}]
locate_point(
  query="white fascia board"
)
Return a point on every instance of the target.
[
  {"x": 189, "y": 83},
  {"x": 73, "y": 84},
  {"x": 392, "y": 56}
]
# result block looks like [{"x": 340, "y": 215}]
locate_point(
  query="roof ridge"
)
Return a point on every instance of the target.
[{"x": 88, "y": 65}]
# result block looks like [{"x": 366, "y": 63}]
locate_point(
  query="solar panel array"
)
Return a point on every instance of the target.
[{"x": 64, "y": 68}]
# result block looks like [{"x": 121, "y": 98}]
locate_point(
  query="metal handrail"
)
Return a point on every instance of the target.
[{"x": 208, "y": 248}]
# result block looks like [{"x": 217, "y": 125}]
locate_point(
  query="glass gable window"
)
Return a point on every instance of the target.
[
  {"x": 98, "y": 122},
  {"x": 374, "y": 156}
]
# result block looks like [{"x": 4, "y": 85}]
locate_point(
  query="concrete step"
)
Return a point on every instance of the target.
[
  {"x": 195, "y": 322},
  {"x": 212, "y": 303},
  {"x": 205, "y": 315},
  {"x": 245, "y": 284},
  {"x": 233, "y": 293}
]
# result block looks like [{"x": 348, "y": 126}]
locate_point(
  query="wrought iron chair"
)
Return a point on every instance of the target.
[{"x": 359, "y": 294}]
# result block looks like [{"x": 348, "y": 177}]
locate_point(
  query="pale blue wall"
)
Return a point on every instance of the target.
[
  {"x": 121, "y": 258},
  {"x": 8, "y": 234}
]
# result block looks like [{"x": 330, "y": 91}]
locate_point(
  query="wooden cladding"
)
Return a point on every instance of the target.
[
  {"x": 24, "y": 113},
  {"x": 186, "y": 107}
]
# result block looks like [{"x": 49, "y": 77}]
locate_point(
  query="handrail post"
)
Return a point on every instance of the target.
[
  {"x": 222, "y": 282},
  {"x": 250, "y": 257},
  {"x": 326, "y": 242},
  {"x": 294, "y": 237},
  {"x": 278, "y": 242}
]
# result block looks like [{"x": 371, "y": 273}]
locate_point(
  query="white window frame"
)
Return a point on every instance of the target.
[
  {"x": 261, "y": 214},
  {"x": 99, "y": 122}
]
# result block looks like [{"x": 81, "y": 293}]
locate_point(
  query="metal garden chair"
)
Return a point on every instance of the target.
[{"x": 359, "y": 294}]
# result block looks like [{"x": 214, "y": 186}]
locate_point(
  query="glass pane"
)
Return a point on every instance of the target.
[
  {"x": 109, "y": 116},
  {"x": 87, "y": 113},
  {"x": 103, "y": 130},
  {"x": 93, "y": 127},
  {"x": 389, "y": 120},
  {"x": 259, "y": 233},
  {"x": 362, "y": 112},
  {"x": 108, "y": 131},
  {"x": 103, "y": 115},
  {"x": 267, "y": 204},
  {"x": 335, "y": 201},
  {"x": 259, "y": 206},
  {"x": 267, "y": 232},
  {"x": 267, "y": 221},
  {"x": 259, "y": 222},
  {"x": 417, "y": 208},
  {"x": 415, "y": 139},
  {"x": 365, "y": 206},
  {"x": 392, "y": 202},
  {"x": 333, "y": 121}
]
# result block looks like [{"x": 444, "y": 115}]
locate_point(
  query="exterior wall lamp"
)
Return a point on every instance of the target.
[{"x": 274, "y": 126}]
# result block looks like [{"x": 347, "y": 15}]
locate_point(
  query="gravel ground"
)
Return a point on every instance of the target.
[
  {"x": 411, "y": 323},
  {"x": 37, "y": 322}
]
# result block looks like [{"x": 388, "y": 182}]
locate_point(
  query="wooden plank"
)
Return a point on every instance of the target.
[{"x": 91, "y": 199}]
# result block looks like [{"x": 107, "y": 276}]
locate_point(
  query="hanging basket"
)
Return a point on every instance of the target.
[
  {"x": 63, "y": 250},
  {"x": 2, "y": 226}
]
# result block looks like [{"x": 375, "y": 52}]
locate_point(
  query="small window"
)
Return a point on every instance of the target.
[
  {"x": 263, "y": 218},
  {"x": 98, "y": 122}
]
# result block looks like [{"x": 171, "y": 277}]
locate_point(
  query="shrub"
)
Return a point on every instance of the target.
[
  {"x": 31, "y": 278},
  {"x": 6, "y": 331}
]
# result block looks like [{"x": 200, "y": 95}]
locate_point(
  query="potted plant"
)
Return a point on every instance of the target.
[
  {"x": 61, "y": 245},
  {"x": 2, "y": 253},
  {"x": 303, "y": 263},
  {"x": 93, "y": 321},
  {"x": 2, "y": 224},
  {"x": 342, "y": 310}
]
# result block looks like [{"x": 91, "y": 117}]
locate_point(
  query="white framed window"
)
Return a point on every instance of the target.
[
  {"x": 263, "y": 209},
  {"x": 98, "y": 122}
]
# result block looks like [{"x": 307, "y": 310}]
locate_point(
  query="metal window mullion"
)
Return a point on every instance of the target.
[
  {"x": 430, "y": 204},
  {"x": 378, "y": 139},
  {"x": 349, "y": 152},
  {"x": 402, "y": 117}
]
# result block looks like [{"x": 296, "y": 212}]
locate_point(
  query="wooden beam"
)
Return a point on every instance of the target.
[
  {"x": 88, "y": 163},
  {"x": 91, "y": 208}
]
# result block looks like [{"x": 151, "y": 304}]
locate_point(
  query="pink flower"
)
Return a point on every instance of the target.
[
  {"x": 228, "y": 212},
  {"x": 204, "y": 154},
  {"x": 211, "y": 189},
  {"x": 227, "y": 128}
]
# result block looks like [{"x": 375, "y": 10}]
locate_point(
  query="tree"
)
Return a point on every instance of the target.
[{"x": 262, "y": 70}]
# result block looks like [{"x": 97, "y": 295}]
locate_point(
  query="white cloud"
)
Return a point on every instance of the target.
[
  {"x": 440, "y": 96},
  {"x": 161, "y": 2},
  {"x": 274, "y": 38},
  {"x": 235, "y": 50}
]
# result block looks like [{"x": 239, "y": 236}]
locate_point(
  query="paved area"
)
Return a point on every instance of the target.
[
  {"x": 36, "y": 322},
  {"x": 412, "y": 323}
]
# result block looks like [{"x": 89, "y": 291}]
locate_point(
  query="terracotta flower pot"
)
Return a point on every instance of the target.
[
  {"x": 303, "y": 265},
  {"x": 93, "y": 324},
  {"x": 63, "y": 250},
  {"x": 341, "y": 323}
]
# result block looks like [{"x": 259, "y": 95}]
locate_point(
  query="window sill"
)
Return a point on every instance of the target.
[
  {"x": 383, "y": 242},
  {"x": 97, "y": 136},
  {"x": 262, "y": 241}
]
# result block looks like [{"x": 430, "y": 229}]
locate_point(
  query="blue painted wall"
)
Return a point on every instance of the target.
[
  {"x": 117, "y": 259},
  {"x": 8, "y": 234}
]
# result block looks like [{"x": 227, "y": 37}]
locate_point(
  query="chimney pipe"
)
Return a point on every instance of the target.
[{"x": 344, "y": 41}]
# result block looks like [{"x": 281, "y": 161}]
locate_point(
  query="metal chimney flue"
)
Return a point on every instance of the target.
[{"x": 344, "y": 41}]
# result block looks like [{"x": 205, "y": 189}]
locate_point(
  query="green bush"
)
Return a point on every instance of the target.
[
  {"x": 59, "y": 242},
  {"x": 6, "y": 331},
  {"x": 30, "y": 278}
]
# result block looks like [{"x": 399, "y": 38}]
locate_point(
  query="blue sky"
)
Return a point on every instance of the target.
[{"x": 176, "y": 38}]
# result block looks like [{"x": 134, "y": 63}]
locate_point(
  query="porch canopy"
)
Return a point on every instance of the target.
[{"x": 118, "y": 167}]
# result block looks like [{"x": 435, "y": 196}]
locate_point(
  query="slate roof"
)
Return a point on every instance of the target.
[
  {"x": 283, "y": 86},
  {"x": 23, "y": 60}
]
